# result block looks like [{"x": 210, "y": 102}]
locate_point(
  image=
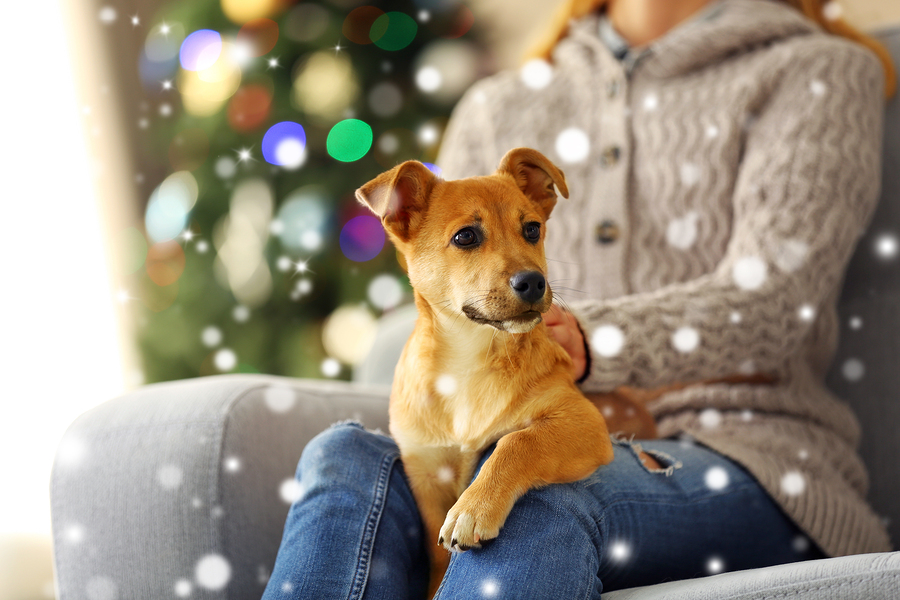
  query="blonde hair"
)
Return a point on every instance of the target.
[{"x": 812, "y": 9}]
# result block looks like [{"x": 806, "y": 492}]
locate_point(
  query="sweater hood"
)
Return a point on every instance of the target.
[{"x": 727, "y": 27}]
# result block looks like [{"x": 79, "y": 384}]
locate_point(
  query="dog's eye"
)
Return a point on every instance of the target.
[
  {"x": 532, "y": 232},
  {"x": 465, "y": 237}
]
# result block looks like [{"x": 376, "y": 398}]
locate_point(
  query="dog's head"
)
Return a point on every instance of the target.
[{"x": 475, "y": 246}]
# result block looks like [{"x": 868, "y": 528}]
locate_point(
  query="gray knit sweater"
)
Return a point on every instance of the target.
[{"x": 718, "y": 190}]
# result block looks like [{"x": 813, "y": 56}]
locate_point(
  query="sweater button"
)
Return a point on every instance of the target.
[
  {"x": 610, "y": 156},
  {"x": 607, "y": 232}
]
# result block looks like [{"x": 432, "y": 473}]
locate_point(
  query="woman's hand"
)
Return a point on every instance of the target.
[{"x": 565, "y": 330}]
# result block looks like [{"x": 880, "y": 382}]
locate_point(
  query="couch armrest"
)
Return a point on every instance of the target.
[{"x": 148, "y": 486}]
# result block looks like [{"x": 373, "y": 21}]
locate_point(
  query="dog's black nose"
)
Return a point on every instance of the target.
[{"x": 528, "y": 285}]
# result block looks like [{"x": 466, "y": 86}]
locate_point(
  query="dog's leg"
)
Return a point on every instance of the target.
[
  {"x": 561, "y": 446},
  {"x": 437, "y": 476}
]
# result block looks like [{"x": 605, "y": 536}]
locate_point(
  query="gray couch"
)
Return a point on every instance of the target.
[{"x": 178, "y": 489}]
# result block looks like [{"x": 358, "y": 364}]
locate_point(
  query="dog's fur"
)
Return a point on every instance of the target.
[{"x": 480, "y": 366}]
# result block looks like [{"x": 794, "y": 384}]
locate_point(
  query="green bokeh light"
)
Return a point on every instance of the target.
[
  {"x": 393, "y": 31},
  {"x": 133, "y": 246},
  {"x": 349, "y": 140}
]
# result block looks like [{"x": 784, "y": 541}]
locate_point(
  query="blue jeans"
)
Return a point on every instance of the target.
[{"x": 355, "y": 533}]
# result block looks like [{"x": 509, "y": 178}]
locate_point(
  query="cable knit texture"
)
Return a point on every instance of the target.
[{"x": 736, "y": 166}]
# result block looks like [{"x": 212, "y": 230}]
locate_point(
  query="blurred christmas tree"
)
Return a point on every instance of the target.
[{"x": 271, "y": 114}]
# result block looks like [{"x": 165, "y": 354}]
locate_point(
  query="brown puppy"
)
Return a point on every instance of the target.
[{"x": 480, "y": 366}]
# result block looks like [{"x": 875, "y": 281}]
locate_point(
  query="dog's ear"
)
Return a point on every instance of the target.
[
  {"x": 399, "y": 197},
  {"x": 535, "y": 175}
]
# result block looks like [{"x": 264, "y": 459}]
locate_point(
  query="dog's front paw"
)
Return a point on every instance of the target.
[{"x": 474, "y": 518}]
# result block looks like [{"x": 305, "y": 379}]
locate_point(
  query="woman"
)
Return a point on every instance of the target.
[{"x": 723, "y": 160}]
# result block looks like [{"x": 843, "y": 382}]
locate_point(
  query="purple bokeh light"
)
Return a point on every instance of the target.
[{"x": 362, "y": 238}]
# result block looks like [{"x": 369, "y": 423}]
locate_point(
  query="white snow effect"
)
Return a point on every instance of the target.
[
  {"x": 279, "y": 399},
  {"x": 790, "y": 254},
  {"x": 385, "y": 291},
  {"x": 101, "y": 588},
  {"x": 651, "y": 102},
  {"x": 170, "y": 477},
  {"x": 211, "y": 336},
  {"x": 608, "y": 340},
  {"x": 446, "y": 385},
  {"x": 232, "y": 464},
  {"x": 226, "y": 167},
  {"x": 70, "y": 452},
  {"x": 803, "y": 454},
  {"x": 793, "y": 483},
  {"x": 749, "y": 273},
  {"x": 817, "y": 87},
  {"x": 290, "y": 490},
  {"x": 429, "y": 79},
  {"x": 183, "y": 588},
  {"x": 445, "y": 474},
  {"x": 690, "y": 174},
  {"x": 619, "y": 551},
  {"x": 747, "y": 367},
  {"x": 716, "y": 478},
  {"x": 573, "y": 145},
  {"x": 715, "y": 565},
  {"x": 536, "y": 74},
  {"x": 290, "y": 153},
  {"x": 712, "y": 132},
  {"x": 608, "y": 412},
  {"x": 107, "y": 15},
  {"x": 225, "y": 359},
  {"x": 682, "y": 233},
  {"x": 710, "y": 418},
  {"x": 735, "y": 317},
  {"x": 330, "y": 367},
  {"x": 853, "y": 369},
  {"x": 886, "y": 246},
  {"x": 800, "y": 544},
  {"x": 747, "y": 415},
  {"x": 806, "y": 312},
  {"x": 240, "y": 313},
  {"x": 287, "y": 587},
  {"x": 490, "y": 588},
  {"x": 856, "y": 323},
  {"x": 428, "y": 135},
  {"x": 686, "y": 339},
  {"x": 74, "y": 534},
  {"x": 213, "y": 572}
]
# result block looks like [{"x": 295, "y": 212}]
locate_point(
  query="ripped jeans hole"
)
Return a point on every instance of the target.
[{"x": 667, "y": 463}]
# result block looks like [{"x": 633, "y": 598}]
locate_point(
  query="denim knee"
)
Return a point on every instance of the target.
[{"x": 343, "y": 443}]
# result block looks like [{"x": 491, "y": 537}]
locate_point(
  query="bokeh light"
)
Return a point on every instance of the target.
[
  {"x": 325, "y": 86},
  {"x": 385, "y": 99},
  {"x": 456, "y": 24},
  {"x": 393, "y": 31},
  {"x": 395, "y": 146},
  {"x": 358, "y": 23},
  {"x": 242, "y": 11},
  {"x": 306, "y": 22},
  {"x": 302, "y": 219},
  {"x": 188, "y": 149},
  {"x": 348, "y": 333},
  {"x": 204, "y": 92},
  {"x": 349, "y": 140},
  {"x": 258, "y": 36},
  {"x": 249, "y": 108},
  {"x": 447, "y": 68},
  {"x": 240, "y": 238},
  {"x": 169, "y": 205},
  {"x": 200, "y": 50},
  {"x": 165, "y": 263},
  {"x": 284, "y": 145},
  {"x": 162, "y": 45},
  {"x": 362, "y": 238}
]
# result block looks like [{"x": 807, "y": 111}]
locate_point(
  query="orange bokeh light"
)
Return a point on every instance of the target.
[
  {"x": 258, "y": 36},
  {"x": 165, "y": 263},
  {"x": 359, "y": 22},
  {"x": 249, "y": 108}
]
